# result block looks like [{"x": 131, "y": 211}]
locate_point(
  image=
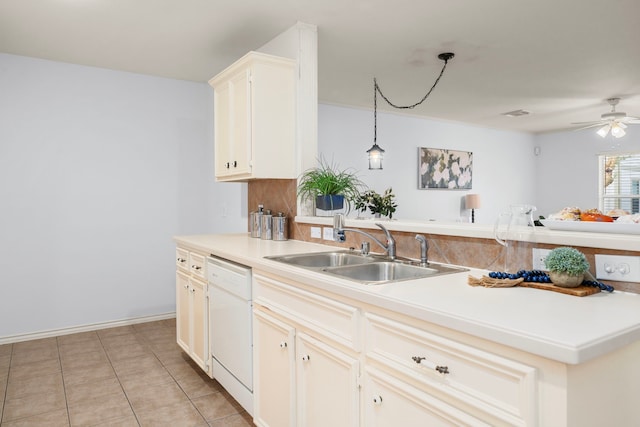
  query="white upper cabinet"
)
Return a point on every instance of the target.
[{"x": 255, "y": 119}]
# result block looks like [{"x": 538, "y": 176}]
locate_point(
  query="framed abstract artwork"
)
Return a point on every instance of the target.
[{"x": 444, "y": 169}]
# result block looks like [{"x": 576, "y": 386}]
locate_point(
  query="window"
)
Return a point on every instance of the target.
[{"x": 620, "y": 182}]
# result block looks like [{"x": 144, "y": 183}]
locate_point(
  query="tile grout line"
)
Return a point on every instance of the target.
[
  {"x": 64, "y": 387},
  {"x": 176, "y": 381},
  {"x": 106, "y": 353},
  {"x": 6, "y": 386}
]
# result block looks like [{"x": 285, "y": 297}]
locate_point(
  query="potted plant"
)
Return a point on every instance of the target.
[
  {"x": 379, "y": 205},
  {"x": 329, "y": 187},
  {"x": 566, "y": 267}
]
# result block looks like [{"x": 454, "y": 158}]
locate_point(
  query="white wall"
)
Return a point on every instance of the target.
[
  {"x": 568, "y": 166},
  {"x": 504, "y": 163},
  {"x": 98, "y": 170}
]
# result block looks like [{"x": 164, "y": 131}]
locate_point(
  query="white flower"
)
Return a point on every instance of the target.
[
  {"x": 455, "y": 169},
  {"x": 464, "y": 178},
  {"x": 424, "y": 167}
]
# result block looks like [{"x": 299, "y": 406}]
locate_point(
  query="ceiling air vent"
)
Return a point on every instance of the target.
[{"x": 516, "y": 113}]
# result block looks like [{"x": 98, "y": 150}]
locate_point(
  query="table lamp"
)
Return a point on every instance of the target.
[{"x": 472, "y": 201}]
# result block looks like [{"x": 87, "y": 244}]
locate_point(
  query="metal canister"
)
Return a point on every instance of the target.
[
  {"x": 279, "y": 226},
  {"x": 266, "y": 232},
  {"x": 255, "y": 222}
]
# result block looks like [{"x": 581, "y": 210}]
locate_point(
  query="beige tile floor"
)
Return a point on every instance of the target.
[{"x": 127, "y": 376}]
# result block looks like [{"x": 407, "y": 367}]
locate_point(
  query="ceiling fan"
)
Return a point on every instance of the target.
[{"x": 614, "y": 121}]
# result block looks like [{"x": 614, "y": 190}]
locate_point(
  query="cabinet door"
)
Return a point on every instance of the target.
[
  {"x": 199, "y": 320},
  {"x": 389, "y": 402},
  {"x": 240, "y": 148},
  {"x": 222, "y": 132},
  {"x": 182, "y": 310},
  {"x": 328, "y": 393},
  {"x": 273, "y": 371}
]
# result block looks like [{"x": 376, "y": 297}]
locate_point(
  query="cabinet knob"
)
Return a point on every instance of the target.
[
  {"x": 227, "y": 165},
  {"x": 235, "y": 164},
  {"x": 377, "y": 400},
  {"x": 306, "y": 358},
  {"x": 193, "y": 290},
  {"x": 186, "y": 286},
  {"x": 283, "y": 344},
  {"x": 196, "y": 267},
  {"x": 181, "y": 260},
  {"x": 422, "y": 361}
]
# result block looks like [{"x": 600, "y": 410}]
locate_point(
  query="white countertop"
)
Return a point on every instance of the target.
[{"x": 560, "y": 327}]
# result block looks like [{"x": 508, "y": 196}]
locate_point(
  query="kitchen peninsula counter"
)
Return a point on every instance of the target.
[
  {"x": 552, "y": 325},
  {"x": 544, "y": 235}
]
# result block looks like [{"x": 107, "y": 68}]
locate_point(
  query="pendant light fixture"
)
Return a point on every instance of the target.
[{"x": 376, "y": 152}]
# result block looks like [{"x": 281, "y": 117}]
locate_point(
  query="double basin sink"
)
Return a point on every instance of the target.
[{"x": 366, "y": 269}]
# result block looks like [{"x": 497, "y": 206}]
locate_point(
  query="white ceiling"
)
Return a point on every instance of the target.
[{"x": 558, "y": 59}]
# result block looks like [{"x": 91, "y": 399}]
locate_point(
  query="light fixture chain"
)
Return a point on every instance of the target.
[{"x": 404, "y": 107}]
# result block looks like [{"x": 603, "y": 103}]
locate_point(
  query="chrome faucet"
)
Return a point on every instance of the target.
[
  {"x": 424, "y": 247},
  {"x": 338, "y": 235}
]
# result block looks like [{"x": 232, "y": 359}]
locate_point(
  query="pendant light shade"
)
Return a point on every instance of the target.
[{"x": 375, "y": 156}]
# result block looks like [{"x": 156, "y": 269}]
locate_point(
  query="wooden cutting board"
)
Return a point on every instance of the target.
[{"x": 580, "y": 291}]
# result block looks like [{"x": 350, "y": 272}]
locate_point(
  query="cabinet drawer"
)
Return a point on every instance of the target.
[
  {"x": 390, "y": 402},
  {"x": 196, "y": 265},
  {"x": 330, "y": 318},
  {"x": 182, "y": 259},
  {"x": 497, "y": 386}
]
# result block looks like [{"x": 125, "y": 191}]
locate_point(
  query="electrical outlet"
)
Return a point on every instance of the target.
[
  {"x": 327, "y": 233},
  {"x": 539, "y": 255},
  {"x": 618, "y": 267},
  {"x": 316, "y": 233}
]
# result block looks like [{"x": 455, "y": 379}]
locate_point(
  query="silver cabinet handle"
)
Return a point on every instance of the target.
[
  {"x": 181, "y": 260},
  {"x": 283, "y": 344},
  {"x": 377, "y": 400},
  {"x": 193, "y": 290},
  {"x": 306, "y": 358},
  {"x": 186, "y": 286},
  {"x": 422, "y": 361},
  {"x": 196, "y": 267}
]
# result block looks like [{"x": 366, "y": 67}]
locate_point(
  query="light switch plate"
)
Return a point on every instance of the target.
[
  {"x": 327, "y": 233},
  {"x": 618, "y": 267},
  {"x": 316, "y": 233}
]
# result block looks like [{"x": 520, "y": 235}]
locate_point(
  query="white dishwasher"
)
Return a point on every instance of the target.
[{"x": 230, "y": 330}]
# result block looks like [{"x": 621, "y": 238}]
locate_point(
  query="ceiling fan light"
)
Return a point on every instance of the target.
[
  {"x": 604, "y": 130},
  {"x": 617, "y": 131}
]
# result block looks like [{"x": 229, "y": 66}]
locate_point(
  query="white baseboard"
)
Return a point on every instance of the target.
[{"x": 84, "y": 328}]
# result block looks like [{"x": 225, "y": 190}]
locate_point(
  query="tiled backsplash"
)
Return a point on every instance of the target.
[{"x": 279, "y": 195}]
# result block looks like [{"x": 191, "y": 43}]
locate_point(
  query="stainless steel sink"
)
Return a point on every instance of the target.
[
  {"x": 389, "y": 271},
  {"x": 325, "y": 259},
  {"x": 366, "y": 269}
]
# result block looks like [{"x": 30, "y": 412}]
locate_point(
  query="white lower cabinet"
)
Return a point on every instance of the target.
[
  {"x": 327, "y": 385},
  {"x": 489, "y": 388},
  {"x": 391, "y": 402},
  {"x": 192, "y": 332},
  {"x": 274, "y": 371},
  {"x": 322, "y": 361},
  {"x": 301, "y": 378}
]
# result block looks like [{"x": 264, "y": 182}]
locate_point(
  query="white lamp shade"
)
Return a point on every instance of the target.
[
  {"x": 472, "y": 201},
  {"x": 617, "y": 131},
  {"x": 604, "y": 130}
]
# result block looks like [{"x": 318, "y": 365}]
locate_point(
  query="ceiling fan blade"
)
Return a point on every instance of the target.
[
  {"x": 591, "y": 126},
  {"x": 622, "y": 125},
  {"x": 629, "y": 119},
  {"x": 592, "y": 123}
]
